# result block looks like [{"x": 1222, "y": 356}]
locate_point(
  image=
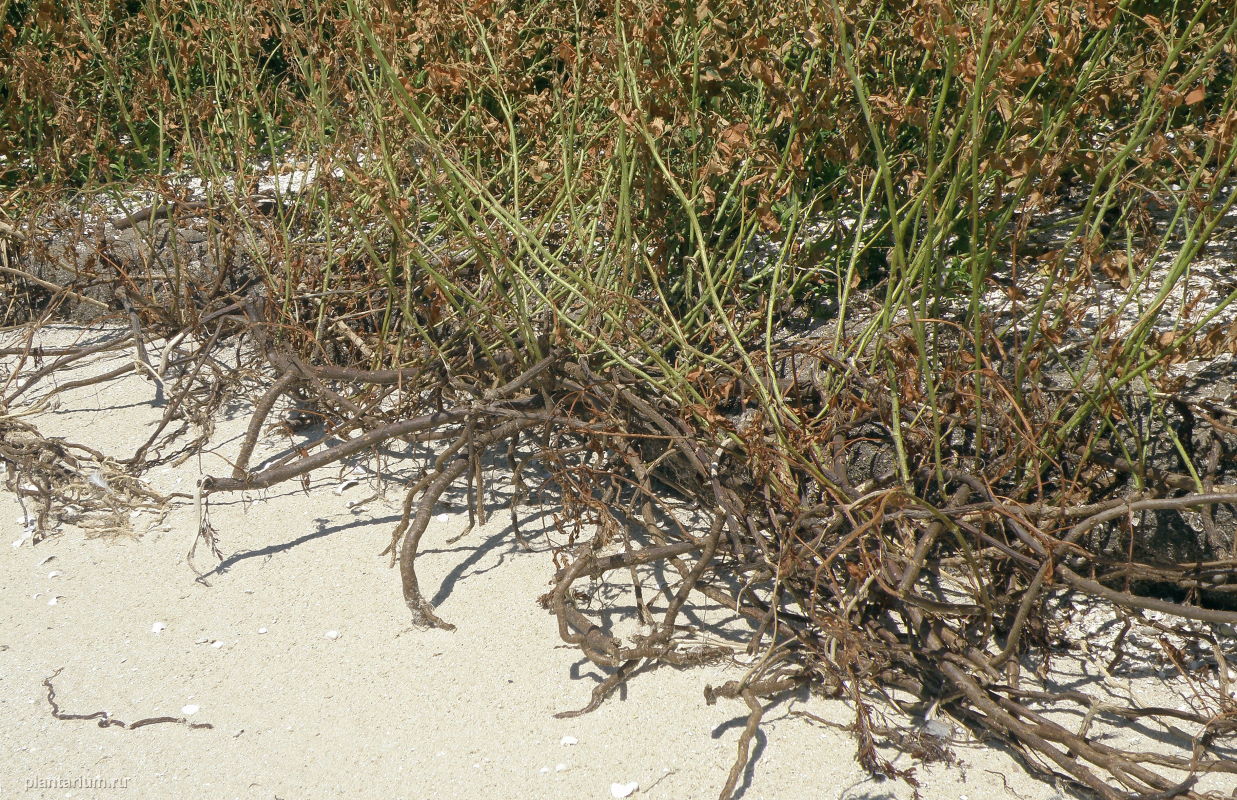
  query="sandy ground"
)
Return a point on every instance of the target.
[{"x": 382, "y": 709}]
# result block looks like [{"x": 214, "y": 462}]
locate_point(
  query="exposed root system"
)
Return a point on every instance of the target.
[
  {"x": 877, "y": 543},
  {"x": 106, "y": 720}
]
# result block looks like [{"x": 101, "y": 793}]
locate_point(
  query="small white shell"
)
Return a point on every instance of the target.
[
  {"x": 216, "y": 644},
  {"x": 621, "y": 790},
  {"x": 158, "y": 627},
  {"x": 331, "y": 635},
  {"x": 569, "y": 740},
  {"x": 189, "y": 710},
  {"x": 54, "y": 601},
  {"x": 54, "y": 574},
  {"x": 261, "y": 630}
]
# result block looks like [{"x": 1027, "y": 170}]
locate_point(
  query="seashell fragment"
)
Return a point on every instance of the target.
[
  {"x": 158, "y": 627},
  {"x": 332, "y": 635},
  {"x": 621, "y": 790},
  {"x": 567, "y": 741},
  {"x": 189, "y": 710}
]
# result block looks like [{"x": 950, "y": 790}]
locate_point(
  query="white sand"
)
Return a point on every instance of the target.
[{"x": 384, "y": 710}]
